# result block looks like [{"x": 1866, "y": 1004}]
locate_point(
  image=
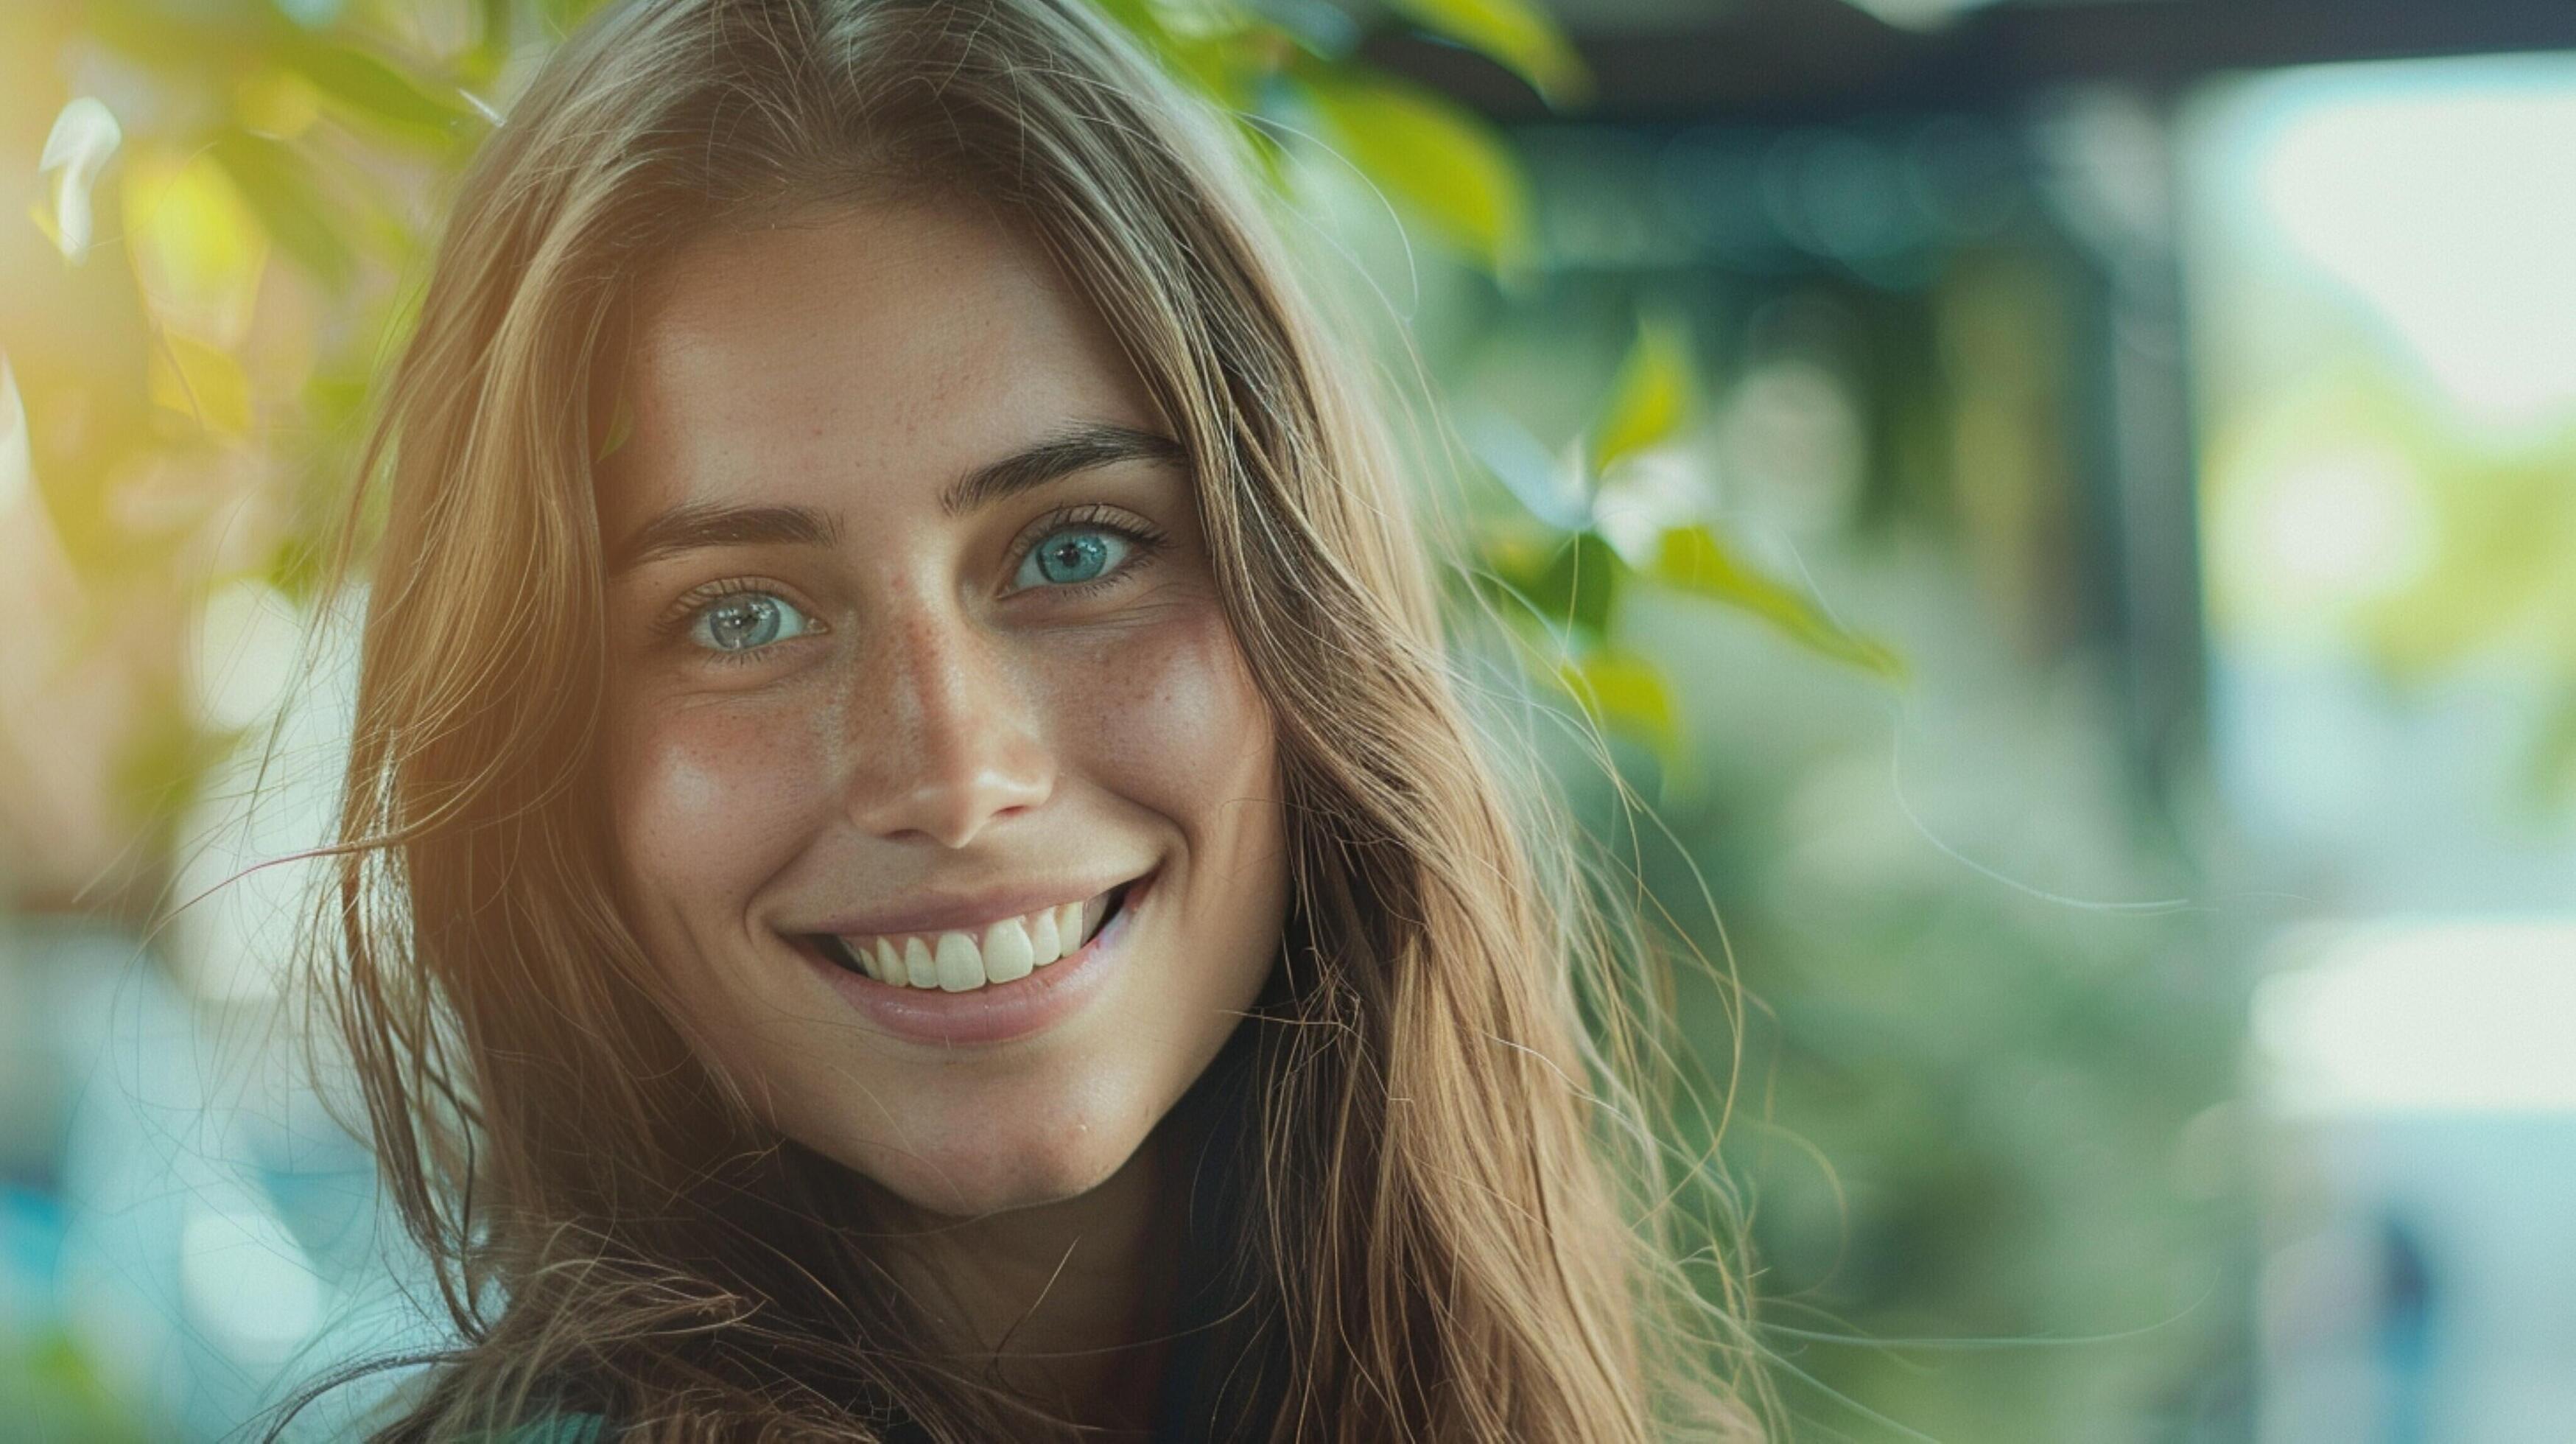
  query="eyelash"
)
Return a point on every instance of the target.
[
  {"x": 1146, "y": 538},
  {"x": 682, "y": 619}
]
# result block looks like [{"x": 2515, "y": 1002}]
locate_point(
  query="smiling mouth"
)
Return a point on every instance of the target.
[{"x": 958, "y": 962}]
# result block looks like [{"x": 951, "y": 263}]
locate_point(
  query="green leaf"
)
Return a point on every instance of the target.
[
  {"x": 1694, "y": 559},
  {"x": 1628, "y": 693},
  {"x": 563, "y": 16},
  {"x": 1517, "y": 34},
  {"x": 287, "y": 196},
  {"x": 372, "y": 87},
  {"x": 1577, "y": 587},
  {"x": 491, "y": 48},
  {"x": 1443, "y": 160},
  {"x": 1515, "y": 551},
  {"x": 1652, "y": 397},
  {"x": 1224, "y": 51}
]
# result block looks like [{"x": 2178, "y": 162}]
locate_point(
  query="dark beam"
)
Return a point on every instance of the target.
[{"x": 1791, "y": 60}]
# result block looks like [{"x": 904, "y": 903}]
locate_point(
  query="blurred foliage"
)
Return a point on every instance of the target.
[
  {"x": 47, "y": 1381},
  {"x": 1983, "y": 1129},
  {"x": 228, "y": 198},
  {"x": 1989, "y": 1137},
  {"x": 238, "y": 190},
  {"x": 2450, "y": 546}
]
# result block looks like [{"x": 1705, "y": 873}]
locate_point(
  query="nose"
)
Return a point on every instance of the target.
[{"x": 946, "y": 739}]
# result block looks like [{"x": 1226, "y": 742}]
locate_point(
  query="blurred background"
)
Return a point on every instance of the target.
[{"x": 2067, "y": 510}]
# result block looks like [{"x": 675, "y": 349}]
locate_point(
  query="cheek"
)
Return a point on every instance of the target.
[
  {"x": 709, "y": 800},
  {"x": 1171, "y": 721},
  {"x": 1185, "y": 738}
]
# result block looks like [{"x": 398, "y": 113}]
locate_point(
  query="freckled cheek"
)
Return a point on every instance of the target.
[
  {"x": 1168, "y": 718},
  {"x": 710, "y": 800}
]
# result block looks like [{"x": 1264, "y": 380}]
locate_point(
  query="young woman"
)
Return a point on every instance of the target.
[{"x": 914, "y": 867}]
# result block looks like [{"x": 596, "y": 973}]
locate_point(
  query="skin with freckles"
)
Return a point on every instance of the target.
[{"x": 883, "y": 702}]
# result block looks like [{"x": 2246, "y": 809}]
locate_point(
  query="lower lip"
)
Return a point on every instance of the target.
[{"x": 995, "y": 1012}]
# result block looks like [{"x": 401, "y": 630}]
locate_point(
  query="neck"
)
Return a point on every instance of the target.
[{"x": 1068, "y": 1302}]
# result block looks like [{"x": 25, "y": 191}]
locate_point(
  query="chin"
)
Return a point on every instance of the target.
[
  {"x": 1044, "y": 1156},
  {"x": 989, "y": 1181},
  {"x": 966, "y": 1146}
]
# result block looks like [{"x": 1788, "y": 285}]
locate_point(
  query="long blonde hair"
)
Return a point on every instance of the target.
[{"x": 1456, "y": 1221}]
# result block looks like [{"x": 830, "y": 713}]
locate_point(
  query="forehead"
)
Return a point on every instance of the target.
[{"x": 875, "y": 350}]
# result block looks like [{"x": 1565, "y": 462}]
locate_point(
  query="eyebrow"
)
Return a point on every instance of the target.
[
  {"x": 1076, "y": 448},
  {"x": 691, "y": 526},
  {"x": 694, "y": 525}
]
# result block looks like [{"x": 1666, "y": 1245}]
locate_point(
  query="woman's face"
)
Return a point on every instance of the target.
[{"x": 918, "y": 663}]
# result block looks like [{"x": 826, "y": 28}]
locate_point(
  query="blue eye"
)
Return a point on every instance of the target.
[
  {"x": 745, "y": 621},
  {"x": 1073, "y": 555}
]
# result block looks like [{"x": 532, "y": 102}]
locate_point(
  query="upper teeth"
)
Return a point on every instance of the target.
[{"x": 956, "y": 962}]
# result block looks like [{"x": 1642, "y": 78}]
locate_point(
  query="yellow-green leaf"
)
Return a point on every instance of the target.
[
  {"x": 1203, "y": 17},
  {"x": 562, "y": 15},
  {"x": 1652, "y": 397},
  {"x": 276, "y": 102},
  {"x": 1628, "y": 693},
  {"x": 195, "y": 380},
  {"x": 1517, "y": 549},
  {"x": 1221, "y": 48},
  {"x": 1435, "y": 155},
  {"x": 288, "y": 197},
  {"x": 1696, "y": 560},
  {"x": 492, "y": 34},
  {"x": 369, "y": 86},
  {"x": 1517, "y": 34},
  {"x": 197, "y": 245}
]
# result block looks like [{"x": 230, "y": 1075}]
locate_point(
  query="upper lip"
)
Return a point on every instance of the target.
[{"x": 937, "y": 910}]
